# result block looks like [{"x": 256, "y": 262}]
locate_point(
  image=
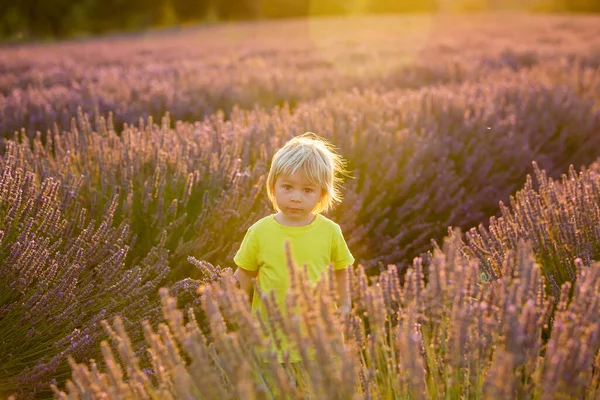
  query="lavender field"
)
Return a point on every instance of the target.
[{"x": 131, "y": 167}]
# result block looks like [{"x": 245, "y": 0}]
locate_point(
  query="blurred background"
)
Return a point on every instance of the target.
[{"x": 33, "y": 20}]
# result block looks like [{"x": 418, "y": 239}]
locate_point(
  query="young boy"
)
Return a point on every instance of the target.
[{"x": 302, "y": 183}]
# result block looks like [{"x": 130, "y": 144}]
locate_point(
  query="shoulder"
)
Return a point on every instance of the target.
[
  {"x": 327, "y": 224},
  {"x": 262, "y": 224}
]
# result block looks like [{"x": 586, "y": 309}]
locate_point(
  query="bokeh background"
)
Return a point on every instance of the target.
[{"x": 47, "y": 19}]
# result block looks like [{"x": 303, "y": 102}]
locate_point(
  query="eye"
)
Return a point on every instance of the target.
[
  {"x": 308, "y": 190},
  {"x": 286, "y": 187}
]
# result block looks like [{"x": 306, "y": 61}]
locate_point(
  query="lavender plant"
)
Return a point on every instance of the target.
[
  {"x": 62, "y": 273},
  {"x": 450, "y": 337},
  {"x": 559, "y": 217},
  {"x": 185, "y": 182}
]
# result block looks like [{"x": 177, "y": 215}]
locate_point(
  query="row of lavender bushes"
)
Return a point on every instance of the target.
[
  {"x": 445, "y": 331},
  {"x": 437, "y": 157},
  {"x": 62, "y": 272},
  {"x": 196, "y": 72},
  {"x": 560, "y": 218},
  {"x": 97, "y": 220}
]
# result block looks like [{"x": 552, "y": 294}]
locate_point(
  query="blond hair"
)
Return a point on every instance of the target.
[{"x": 317, "y": 159}]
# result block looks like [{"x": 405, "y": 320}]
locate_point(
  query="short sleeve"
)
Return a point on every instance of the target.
[
  {"x": 341, "y": 256},
  {"x": 247, "y": 255}
]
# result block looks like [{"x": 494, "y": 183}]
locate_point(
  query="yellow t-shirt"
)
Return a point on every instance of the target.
[{"x": 317, "y": 245}]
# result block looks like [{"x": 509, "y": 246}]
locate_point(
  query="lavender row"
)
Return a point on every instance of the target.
[
  {"x": 84, "y": 239},
  {"x": 561, "y": 218},
  {"x": 63, "y": 271},
  {"x": 437, "y": 157},
  {"x": 196, "y": 72},
  {"x": 446, "y": 156},
  {"x": 451, "y": 336}
]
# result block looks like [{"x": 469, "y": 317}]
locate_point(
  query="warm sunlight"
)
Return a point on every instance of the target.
[{"x": 299, "y": 199}]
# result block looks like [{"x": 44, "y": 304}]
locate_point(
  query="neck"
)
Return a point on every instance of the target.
[{"x": 279, "y": 217}]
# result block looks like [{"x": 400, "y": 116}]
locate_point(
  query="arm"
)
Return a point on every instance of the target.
[
  {"x": 246, "y": 256},
  {"x": 244, "y": 278},
  {"x": 343, "y": 260},
  {"x": 342, "y": 285}
]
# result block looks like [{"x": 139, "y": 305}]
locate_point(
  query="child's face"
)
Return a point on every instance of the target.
[{"x": 296, "y": 197}]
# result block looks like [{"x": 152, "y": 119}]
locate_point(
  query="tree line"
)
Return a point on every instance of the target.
[{"x": 42, "y": 19}]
